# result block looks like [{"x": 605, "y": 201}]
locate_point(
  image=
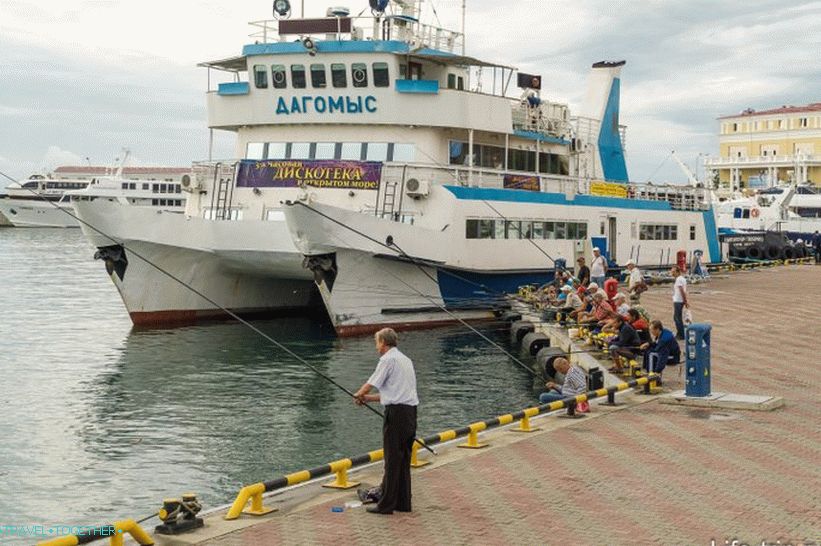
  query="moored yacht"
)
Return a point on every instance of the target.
[{"x": 40, "y": 201}]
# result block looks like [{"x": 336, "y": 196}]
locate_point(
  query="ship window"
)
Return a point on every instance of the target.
[
  {"x": 521, "y": 160},
  {"x": 561, "y": 230},
  {"x": 260, "y": 76},
  {"x": 278, "y": 76},
  {"x": 254, "y": 150},
  {"x": 472, "y": 229},
  {"x": 298, "y": 76},
  {"x": 351, "y": 150},
  {"x": 538, "y": 230},
  {"x": 572, "y": 231},
  {"x": 359, "y": 74},
  {"x": 276, "y": 150},
  {"x": 654, "y": 232},
  {"x": 513, "y": 229},
  {"x": 403, "y": 152},
  {"x": 549, "y": 230},
  {"x": 124, "y": 185},
  {"x": 499, "y": 229},
  {"x": 527, "y": 230},
  {"x": 486, "y": 229},
  {"x": 301, "y": 150},
  {"x": 692, "y": 233},
  {"x": 460, "y": 85},
  {"x": 377, "y": 151},
  {"x": 145, "y": 185},
  {"x": 582, "y": 231},
  {"x": 381, "y": 78},
  {"x": 318, "y": 75},
  {"x": 339, "y": 76},
  {"x": 745, "y": 213},
  {"x": 325, "y": 150},
  {"x": 451, "y": 81}
]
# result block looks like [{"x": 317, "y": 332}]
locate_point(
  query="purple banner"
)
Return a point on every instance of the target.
[
  {"x": 521, "y": 182},
  {"x": 331, "y": 173}
]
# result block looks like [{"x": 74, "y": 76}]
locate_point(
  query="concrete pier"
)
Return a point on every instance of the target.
[{"x": 642, "y": 473}]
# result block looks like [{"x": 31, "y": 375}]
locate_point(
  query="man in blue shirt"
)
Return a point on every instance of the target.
[
  {"x": 395, "y": 379},
  {"x": 663, "y": 350}
]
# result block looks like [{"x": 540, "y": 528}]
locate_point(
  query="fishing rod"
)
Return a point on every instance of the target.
[
  {"x": 225, "y": 310},
  {"x": 390, "y": 244}
]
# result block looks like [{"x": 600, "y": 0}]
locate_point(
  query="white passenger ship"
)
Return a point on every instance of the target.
[
  {"x": 383, "y": 124},
  {"x": 39, "y": 201},
  {"x": 790, "y": 208}
]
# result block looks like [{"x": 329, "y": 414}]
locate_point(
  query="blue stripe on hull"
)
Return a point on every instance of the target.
[{"x": 471, "y": 289}]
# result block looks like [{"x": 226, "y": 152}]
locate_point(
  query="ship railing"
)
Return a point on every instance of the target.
[
  {"x": 400, "y": 28},
  {"x": 679, "y": 197},
  {"x": 587, "y": 130},
  {"x": 548, "y": 118}
]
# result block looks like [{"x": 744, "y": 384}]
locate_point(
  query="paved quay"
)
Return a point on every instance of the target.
[{"x": 644, "y": 473}]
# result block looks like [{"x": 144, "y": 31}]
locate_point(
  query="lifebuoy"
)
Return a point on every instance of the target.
[{"x": 754, "y": 213}]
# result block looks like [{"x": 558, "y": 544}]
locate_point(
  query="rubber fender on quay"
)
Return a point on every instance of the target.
[
  {"x": 518, "y": 330},
  {"x": 533, "y": 342},
  {"x": 545, "y": 359}
]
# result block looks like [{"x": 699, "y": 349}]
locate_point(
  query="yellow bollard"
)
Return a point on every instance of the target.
[
  {"x": 473, "y": 438},
  {"x": 251, "y": 493},
  {"x": 524, "y": 423},
  {"x": 340, "y": 468},
  {"x": 415, "y": 461}
]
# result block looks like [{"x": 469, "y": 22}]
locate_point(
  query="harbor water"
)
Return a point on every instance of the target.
[{"x": 100, "y": 421}]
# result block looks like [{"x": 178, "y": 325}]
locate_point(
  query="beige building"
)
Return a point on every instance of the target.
[{"x": 759, "y": 149}]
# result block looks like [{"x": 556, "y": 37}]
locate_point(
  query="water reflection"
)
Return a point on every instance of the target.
[{"x": 104, "y": 421}]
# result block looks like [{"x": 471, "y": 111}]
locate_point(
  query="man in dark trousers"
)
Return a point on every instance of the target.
[
  {"x": 395, "y": 379},
  {"x": 816, "y": 245}
]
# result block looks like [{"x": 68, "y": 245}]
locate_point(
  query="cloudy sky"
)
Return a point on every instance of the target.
[{"x": 84, "y": 78}]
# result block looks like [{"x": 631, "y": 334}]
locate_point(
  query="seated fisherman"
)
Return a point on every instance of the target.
[
  {"x": 600, "y": 312},
  {"x": 662, "y": 350},
  {"x": 575, "y": 382},
  {"x": 572, "y": 302},
  {"x": 620, "y": 302},
  {"x": 625, "y": 344}
]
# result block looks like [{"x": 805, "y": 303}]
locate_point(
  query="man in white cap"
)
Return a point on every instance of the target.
[
  {"x": 635, "y": 282},
  {"x": 572, "y": 303},
  {"x": 598, "y": 267}
]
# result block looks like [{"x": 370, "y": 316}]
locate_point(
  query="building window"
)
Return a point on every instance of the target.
[
  {"x": 735, "y": 127},
  {"x": 278, "y": 76},
  {"x": 260, "y": 76},
  {"x": 359, "y": 74},
  {"x": 692, "y": 233},
  {"x": 802, "y": 122},
  {"x": 318, "y": 75},
  {"x": 339, "y": 77},
  {"x": 298, "y": 76},
  {"x": 381, "y": 78}
]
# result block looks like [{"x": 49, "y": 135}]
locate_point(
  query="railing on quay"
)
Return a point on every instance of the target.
[{"x": 253, "y": 494}]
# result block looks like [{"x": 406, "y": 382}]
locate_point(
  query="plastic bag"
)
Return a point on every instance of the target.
[{"x": 687, "y": 316}]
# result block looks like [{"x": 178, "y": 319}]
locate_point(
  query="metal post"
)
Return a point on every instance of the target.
[{"x": 470, "y": 157}]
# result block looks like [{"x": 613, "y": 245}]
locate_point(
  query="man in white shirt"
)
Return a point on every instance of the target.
[
  {"x": 635, "y": 282},
  {"x": 679, "y": 300},
  {"x": 395, "y": 379},
  {"x": 598, "y": 267}
]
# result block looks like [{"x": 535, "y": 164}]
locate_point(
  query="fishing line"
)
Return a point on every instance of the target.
[
  {"x": 225, "y": 310},
  {"x": 391, "y": 244}
]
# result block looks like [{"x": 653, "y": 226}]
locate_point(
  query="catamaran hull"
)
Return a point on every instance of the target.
[
  {"x": 36, "y": 213},
  {"x": 153, "y": 257}
]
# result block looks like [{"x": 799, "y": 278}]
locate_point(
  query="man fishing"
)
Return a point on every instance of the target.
[{"x": 395, "y": 379}]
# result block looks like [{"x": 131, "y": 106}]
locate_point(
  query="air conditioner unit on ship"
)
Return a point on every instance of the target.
[{"x": 417, "y": 188}]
